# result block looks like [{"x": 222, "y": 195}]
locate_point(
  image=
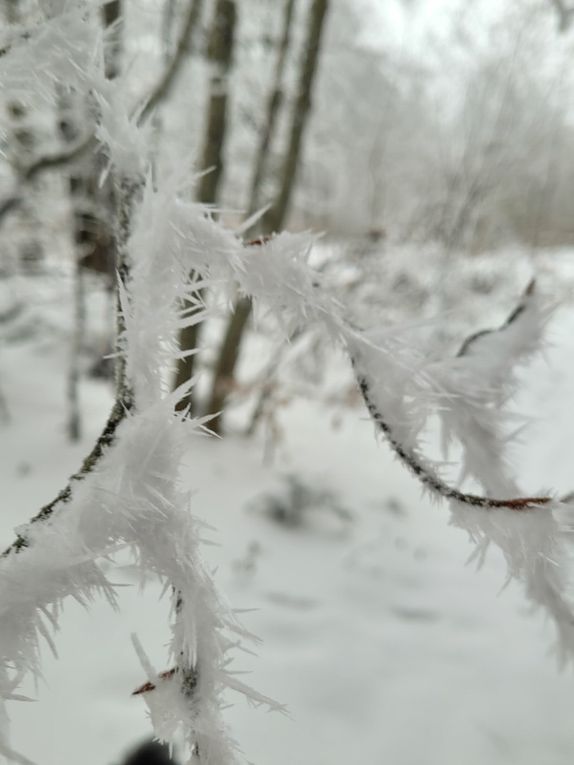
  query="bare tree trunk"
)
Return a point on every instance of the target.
[
  {"x": 167, "y": 22},
  {"x": 224, "y": 373},
  {"x": 275, "y": 217},
  {"x": 22, "y": 142},
  {"x": 220, "y": 52},
  {"x": 273, "y": 220},
  {"x": 11, "y": 11},
  {"x": 111, "y": 17},
  {"x": 79, "y": 327},
  {"x": 93, "y": 239},
  {"x": 92, "y": 203},
  {"x": 273, "y": 108}
]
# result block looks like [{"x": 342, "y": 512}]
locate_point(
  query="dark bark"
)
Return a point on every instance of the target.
[
  {"x": 564, "y": 14},
  {"x": 126, "y": 195},
  {"x": 78, "y": 339},
  {"x": 275, "y": 218},
  {"x": 273, "y": 109},
  {"x": 94, "y": 245},
  {"x": 22, "y": 143},
  {"x": 93, "y": 204},
  {"x": 220, "y": 52},
  {"x": 11, "y": 11},
  {"x": 224, "y": 378},
  {"x": 111, "y": 17},
  {"x": 105, "y": 440},
  {"x": 92, "y": 236}
]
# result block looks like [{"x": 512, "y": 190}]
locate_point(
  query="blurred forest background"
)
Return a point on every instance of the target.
[{"x": 383, "y": 125}]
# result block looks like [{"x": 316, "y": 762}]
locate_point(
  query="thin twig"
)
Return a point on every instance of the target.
[
  {"x": 426, "y": 476},
  {"x": 165, "y": 85},
  {"x": 429, "y": 479},
  {"x": 51, "y": 161},
  {"x": 27, "y": 173},
  {"x": 124, "y": 403},
  {"x": 512, "y": 317},
  {"x": 107, "y": 437}
]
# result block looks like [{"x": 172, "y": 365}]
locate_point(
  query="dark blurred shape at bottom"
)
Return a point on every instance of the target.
[{"x": 150, "y": 753}]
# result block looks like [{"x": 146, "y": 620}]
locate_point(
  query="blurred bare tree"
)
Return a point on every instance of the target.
[
  {"x": 274, "y": 219},
  {"x": 220, "y": 55}
]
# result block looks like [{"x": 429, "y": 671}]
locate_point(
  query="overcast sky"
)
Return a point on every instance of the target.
[{"x": 419, "y": 20}]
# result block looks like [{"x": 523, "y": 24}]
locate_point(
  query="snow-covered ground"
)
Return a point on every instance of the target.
[{"x": 382, "y": 643}]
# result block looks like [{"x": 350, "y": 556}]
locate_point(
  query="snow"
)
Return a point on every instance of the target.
[
  {"x": 379, "y": 639},
  {"x": 342, "y": 623}
]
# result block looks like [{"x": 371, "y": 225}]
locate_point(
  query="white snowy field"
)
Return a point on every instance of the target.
[{"x": 383, "y": 644}]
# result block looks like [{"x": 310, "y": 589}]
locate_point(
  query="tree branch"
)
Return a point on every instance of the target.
[
  {"x": 165, "y": 85},
  {"x": 104, "y": 441},
  {"x": 415, "y": 463},
  {"x": 426, "y": 476},
  {"x": 565, "y": 15},
  {"x": 124, "y": 403},
  {"x": 512, "y": 317},
  {"x": 40, "y": 165}
]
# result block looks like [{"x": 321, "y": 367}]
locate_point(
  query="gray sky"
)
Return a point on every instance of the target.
[{"x": 417, "y": 20}]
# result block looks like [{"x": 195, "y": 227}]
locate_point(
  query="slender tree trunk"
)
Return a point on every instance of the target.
[
  {"x": 224, "y": 373},
  {"x": 68, "y": 107},
  {"x": 167, "y": 22},
  {"x": 273, "y": 109},
  {"x": 75, "y": 418},
  {"x": 564, "y": 15},
  {"x": 93, "y": 239},
  {"x": 111, "y": 17},
  {"x": 11, "y": 11},
  {"x": 274, "y": 219},
  {"x": 92, "y": 203},
  {"x": 22, "y": 142},
  {"x": 220, "y": 52}
]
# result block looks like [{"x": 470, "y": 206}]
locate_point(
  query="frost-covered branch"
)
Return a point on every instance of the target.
[
  {"x": 465, "y": 391},
  {"x": 415, "y": 462},
  {"x": 28, "y": 173},
  {"x": 512, "y": 317},
  {"x": 103, "y": 442},
  {"x": 404, "y": 388},
  {"x": 128, "y": 492},
  {"x": 425, "y": 474}
]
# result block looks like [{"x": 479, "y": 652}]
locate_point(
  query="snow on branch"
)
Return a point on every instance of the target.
[
  {"x": 128, "y": 491},
  {"x": 65, "y": 50},
  {"x": 403, "y": 389},
  {"x": 467, "y": 392}
]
